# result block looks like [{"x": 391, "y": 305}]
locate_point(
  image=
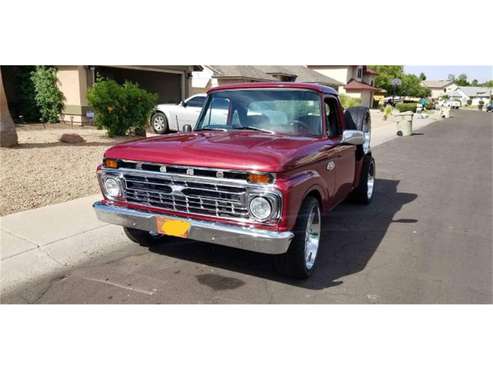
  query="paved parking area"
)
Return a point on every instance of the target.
[{"x": 426, "y": 238}]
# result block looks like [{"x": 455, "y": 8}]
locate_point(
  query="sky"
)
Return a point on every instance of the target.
[{"x": 480, "y": 73}]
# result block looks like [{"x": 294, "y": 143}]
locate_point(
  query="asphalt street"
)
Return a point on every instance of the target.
[{"x": 426, "y": 238}]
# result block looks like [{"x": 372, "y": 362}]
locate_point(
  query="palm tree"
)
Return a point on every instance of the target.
[{"x": 8, "y": 133}]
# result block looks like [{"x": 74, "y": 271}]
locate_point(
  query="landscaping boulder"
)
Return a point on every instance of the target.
[{"x": 72, "y": 139}]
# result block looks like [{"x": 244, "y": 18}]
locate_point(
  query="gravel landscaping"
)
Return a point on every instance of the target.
[{"x": 41, "y": 170}]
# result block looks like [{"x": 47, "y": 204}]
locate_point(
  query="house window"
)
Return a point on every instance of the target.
[
  {"x": 444, "y": 90},
  {"x": 360, "y": 72}
]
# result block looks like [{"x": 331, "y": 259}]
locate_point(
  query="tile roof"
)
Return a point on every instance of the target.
[
  {"x": 248, "y": 72},
  {"x": 354, "y": 85},
  {"x": 437, "y": 84},
  {"x": 476, "y": 91},
  {"x": 268, "y": 72}
]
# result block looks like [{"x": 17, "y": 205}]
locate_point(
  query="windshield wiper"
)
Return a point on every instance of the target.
[
  {"x": 253, "y": 128},
  {"x": 211, "y": 129}
]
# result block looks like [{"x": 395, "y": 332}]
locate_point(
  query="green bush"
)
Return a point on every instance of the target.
[
  {"x": 121, "y": 109},
  {"x": 26, "y": 102},
  {"x": 406, "y": 107},
  {"x": 348, "y": 102},
  {"x": 49, "y": 98},
  {"x": 387, "y": 111}
]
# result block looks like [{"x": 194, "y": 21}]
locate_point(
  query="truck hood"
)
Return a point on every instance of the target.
[{"x": 238, "y": 150}]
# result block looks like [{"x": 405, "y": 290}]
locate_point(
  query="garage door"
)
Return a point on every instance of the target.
[{"x": 166, "y": 85}]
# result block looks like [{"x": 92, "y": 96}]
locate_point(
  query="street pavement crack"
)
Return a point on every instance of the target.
[{"x": 107, "y": 282}]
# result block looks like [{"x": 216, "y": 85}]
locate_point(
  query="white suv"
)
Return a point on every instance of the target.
[{"x": 172, "y": 117}]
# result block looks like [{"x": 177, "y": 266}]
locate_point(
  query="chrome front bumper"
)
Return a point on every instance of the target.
[{"x": 247, "y": 238}]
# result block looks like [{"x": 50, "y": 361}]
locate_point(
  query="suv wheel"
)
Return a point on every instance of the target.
[
  {"x": 159, "y": 123},
  {"x": 301, "y": 258}
]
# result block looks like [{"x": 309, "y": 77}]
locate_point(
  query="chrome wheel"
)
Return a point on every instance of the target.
[
  {"x": 158, "y": 122},
  {"x": 371, "y": 181},
  {"x": 312, "y": 236}
]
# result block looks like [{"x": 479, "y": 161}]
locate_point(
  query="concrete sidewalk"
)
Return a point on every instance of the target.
[
  {"x": 47, "y": 241},
  {"x": 383, "y": 131},
  {"x": 52, "y": 239}
]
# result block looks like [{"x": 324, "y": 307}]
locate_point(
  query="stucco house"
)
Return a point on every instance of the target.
[
  {"x": 474, "y": 94},
  {"x": 439, "y": 88},
  {"x": 171, "y": 83},
  {"x": 356, "y": 81},
  {"x": 216, "y": 75}
]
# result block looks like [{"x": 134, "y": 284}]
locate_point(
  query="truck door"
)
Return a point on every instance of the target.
[{"x": 343, "y": 157}]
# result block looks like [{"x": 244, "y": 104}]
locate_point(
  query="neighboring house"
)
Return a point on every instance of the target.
[
  {"x": 475, "y": 94},
  {"x": 439, "y": 87},
  {"x": 356, "y": 81},
  {"x": 217, "y": 75},
  {"x": 171, "y": 83}
]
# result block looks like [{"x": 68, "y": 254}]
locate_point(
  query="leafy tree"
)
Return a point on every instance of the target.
[
  {"x": 410, "y": 84},
  {"x": 26, "y": 104},
  {"x": 8, "y": 132},
  {"x": 422, "y": 76},
  {"x": 461, "y": 80},
  {"x": 48, "y": 98},
  {"x": 451, "y": 77},
  {"x": 475, "y": 82},
  {"x": 487, "y": 83}
]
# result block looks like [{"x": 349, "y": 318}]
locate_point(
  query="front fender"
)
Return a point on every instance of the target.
[{"x": 297, "y": 187}]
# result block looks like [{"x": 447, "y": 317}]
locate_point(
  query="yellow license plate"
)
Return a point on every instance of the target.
[{"x": 171, "y": 227}]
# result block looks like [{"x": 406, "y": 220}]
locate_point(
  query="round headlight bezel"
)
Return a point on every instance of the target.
[
  {"x": 266, "y": 201},
  {"x": 110, "y": 191}
]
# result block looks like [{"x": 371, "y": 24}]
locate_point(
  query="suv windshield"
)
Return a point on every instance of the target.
[{"x": 284, "y": 111}]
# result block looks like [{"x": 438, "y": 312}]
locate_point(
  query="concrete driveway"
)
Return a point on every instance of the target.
[{"x": 426, "y": 238}]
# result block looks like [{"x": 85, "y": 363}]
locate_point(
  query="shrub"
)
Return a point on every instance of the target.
[
  {"x": 387, "y": 111},
  {"x": 405, "y": 107},
  {"x": 469, "y": 101},
  {"x": 121, "y": 109},
  {"x": 26, "y": 102},
  {"x": 49, "y": 98},
  {"x": 348, "y": 102}
]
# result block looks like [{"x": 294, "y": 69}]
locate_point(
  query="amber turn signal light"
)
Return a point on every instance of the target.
[
  {"x": 257, "y": 178},
  {"x": 110, "y": 163}
]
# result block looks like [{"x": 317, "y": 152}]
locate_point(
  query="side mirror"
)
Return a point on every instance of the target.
[
  {"x": 187, "y": 128},
  {"x": 183, "y": 103},
  {"x": 353, "y": 137}
]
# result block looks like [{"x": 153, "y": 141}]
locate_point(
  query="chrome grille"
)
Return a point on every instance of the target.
[{"x": 186, "y": 195}]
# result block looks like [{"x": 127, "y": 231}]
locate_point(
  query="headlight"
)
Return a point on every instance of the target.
[
  {"x": 260, "y": 208},
  {"x": 112, "y": 187}
]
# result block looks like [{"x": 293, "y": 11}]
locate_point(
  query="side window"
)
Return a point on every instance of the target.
[
  {"x": 217, "y": 113},
  {"x": 196, "y": 102},
  {"x": 332, "y": 118}
]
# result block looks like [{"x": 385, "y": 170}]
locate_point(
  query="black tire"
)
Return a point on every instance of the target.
[
  {"x": 360, "y": 194},
  {"x": 144, "y": 238},
  {"x": 159, "y": 123},
  {"x": 292, "y": 263}
]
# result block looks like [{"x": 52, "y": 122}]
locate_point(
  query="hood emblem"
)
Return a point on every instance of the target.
[
  {"x": 220, "y": 174},
  {"x": 190, "y": 171},
  {"x": 162, "y": 169},
  {"x": 177, "y": 189}
]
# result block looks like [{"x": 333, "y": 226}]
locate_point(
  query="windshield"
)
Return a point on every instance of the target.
[{"x": 284, "y": 111}]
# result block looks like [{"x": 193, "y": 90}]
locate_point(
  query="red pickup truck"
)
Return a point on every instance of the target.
[{"x": 262, "y": 167}]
